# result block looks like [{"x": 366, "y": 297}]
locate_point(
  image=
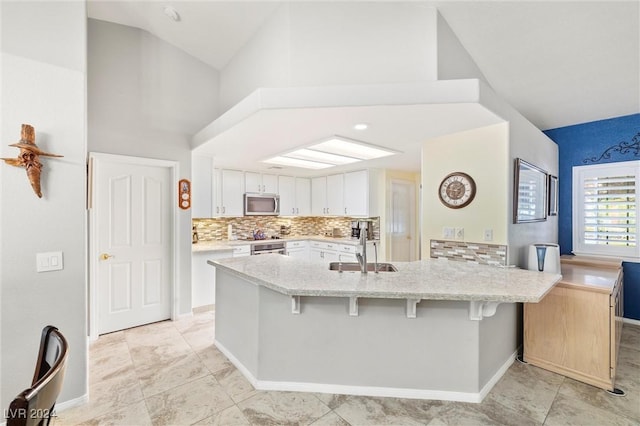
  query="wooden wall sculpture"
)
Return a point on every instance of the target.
[{"x": 29, "y": 157}]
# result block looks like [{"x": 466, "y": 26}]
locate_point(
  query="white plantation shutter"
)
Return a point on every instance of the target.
[{"x": 605, "y": 209}]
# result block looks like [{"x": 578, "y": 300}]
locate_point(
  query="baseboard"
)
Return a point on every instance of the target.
[
  {"x": 496, "y": 377},
  {"x": 203, "y": 308},
  {"x": 631, "y": 321},
  {"x": 72, "y": 403},
  {"x": 429, "y": 394}
]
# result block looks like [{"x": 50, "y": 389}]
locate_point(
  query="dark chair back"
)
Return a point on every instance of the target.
[{"x": 34, "y": 406}]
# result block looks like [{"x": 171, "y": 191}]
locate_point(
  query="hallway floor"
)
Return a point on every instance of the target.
[{"x": 170, "y": 373}]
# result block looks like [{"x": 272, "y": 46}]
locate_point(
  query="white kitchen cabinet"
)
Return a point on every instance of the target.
[
  {"x": 261, "y": 183},
  {"x": 231, "y": 193},
  {"x": 303, "y": 196},
  {"x": 203, "y": 277},
  {"x": 356, "y": 190},
  {"x": 324, "y": 252},
  {"x": 335, "y": 195},
  {"x": 295, "y": 196},
  {"x": 202, "y": 202},
  {"x": 242, "y": 250},
  {"x": 319, "y": 196},
  {"x": 347, "y": 253},
  {"x": 298, "y": 249},
  {"x": 327, "y": 195}
]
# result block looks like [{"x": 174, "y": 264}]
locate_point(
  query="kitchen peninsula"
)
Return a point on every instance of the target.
[{"x": 435, "y": 329}]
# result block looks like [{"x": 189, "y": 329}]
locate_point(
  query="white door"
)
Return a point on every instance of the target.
[
  {"x": 402, "y": 235},
  {"x": 132, "y": 250}
]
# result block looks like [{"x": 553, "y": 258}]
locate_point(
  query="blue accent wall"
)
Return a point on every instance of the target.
[{"x": 585, "y": 141}]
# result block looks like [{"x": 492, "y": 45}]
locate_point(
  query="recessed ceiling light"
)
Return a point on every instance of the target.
[
  {"x": 361, "y": 126},
  {"x": 172, "y": 13}
]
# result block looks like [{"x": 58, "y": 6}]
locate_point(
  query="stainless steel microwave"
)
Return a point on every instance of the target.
[{"x": 261, "y": 204}]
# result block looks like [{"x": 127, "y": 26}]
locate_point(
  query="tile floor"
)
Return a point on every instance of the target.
[{"x": 170, "y": 373}]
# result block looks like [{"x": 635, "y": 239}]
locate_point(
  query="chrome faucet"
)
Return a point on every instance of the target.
[{"x": 362, "y": 256}]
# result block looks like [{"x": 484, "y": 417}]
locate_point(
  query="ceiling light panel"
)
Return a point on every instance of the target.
[
  {"x": 340, "y": 146},
  {"x": 324, "y": 157},
  {"x": 296, "y": 162}
]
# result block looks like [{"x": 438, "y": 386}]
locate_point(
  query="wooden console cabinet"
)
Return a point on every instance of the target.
[{"x": 575, "y": 330}]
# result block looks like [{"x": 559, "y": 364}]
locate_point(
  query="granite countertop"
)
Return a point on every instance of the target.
[
  {"x": 433, "y": 279},
  {"x": 226, "y": 245}
]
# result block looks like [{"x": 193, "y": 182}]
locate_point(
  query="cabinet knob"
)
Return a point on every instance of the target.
[{"x": 105, "y": 256}]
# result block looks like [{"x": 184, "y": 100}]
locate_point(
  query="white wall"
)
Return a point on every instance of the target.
[
  {"x": 483, "y": 154},
  {"x": 334, "y": 43},
  {"x": 43, "y": 84},
  {"x": 527, "y": 142},
  {"x": 146, "y": 98}
]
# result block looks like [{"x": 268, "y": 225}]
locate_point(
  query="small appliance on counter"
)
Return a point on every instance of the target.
[
  {"x": 544, "y": 258},
  {"x": 355, "y": 229}
]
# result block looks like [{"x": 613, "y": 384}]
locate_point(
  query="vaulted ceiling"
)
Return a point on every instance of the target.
[{"x": 558, "y": 62}]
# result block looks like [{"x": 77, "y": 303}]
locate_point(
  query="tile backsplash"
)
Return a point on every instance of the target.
[
  {"x": 483, "y": 253},
  {"x": 243, "y": 227}
]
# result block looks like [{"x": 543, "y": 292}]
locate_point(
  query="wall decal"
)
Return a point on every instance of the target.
[
  {"x": 623, "y": 148},
  {"x": 29, "y": 157}
]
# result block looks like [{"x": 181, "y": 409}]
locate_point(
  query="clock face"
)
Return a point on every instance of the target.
[{"x": 457, "y": 190}]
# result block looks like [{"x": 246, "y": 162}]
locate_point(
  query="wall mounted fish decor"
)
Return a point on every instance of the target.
[{"x": 29, "y": 157}]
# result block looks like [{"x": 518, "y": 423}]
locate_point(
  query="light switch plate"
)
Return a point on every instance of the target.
[
  {"x": 448, "y": 233},
  {"x": 459, "y": 233},
  {"x": 49, "y": 261},
  {"x": 488, "y": 234}
]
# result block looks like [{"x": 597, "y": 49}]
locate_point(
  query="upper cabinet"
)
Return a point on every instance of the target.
[
  {"x": 231, "y": 193},
  {"x": 219, "y": 192},
  {"x": 335, "y": 195},
  {"x": 295, "y": 196},
  {"x": 261, "y": 182},
  {"x": 348, "y": 194},
  {"x": 356, "y": 190},
  {"x": 327, "y": 193}
]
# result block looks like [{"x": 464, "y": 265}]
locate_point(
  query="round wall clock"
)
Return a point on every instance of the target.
[{"x": 457, "y": 190}]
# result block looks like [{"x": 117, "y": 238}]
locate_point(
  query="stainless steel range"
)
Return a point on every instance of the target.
[{"x": 279, "y": 248}]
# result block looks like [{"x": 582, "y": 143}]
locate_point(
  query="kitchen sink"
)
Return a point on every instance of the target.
[{"x": 355, "y": 267}]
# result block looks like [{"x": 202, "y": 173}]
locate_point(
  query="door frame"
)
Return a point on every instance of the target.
[
  {"x": 93, "y": 249},
  {"x": 415, "y": 234}
]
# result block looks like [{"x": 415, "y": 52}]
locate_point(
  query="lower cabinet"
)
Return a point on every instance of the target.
[
  {"x": 298, "y": 249},
  {"x": 203, "y": 277},
  {"x": 575, "y": 330},
  {"x": 323, "y": 252}
]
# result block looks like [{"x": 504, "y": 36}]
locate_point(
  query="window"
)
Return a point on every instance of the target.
[{"x": 605, "y": 211}]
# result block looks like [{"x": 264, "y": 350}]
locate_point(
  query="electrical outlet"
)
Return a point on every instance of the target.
[
  {"x": 459, "y": 233},
  {"x": 488, "y": 234}
]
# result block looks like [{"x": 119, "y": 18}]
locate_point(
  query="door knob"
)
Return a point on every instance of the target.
[{"x": 105, "y": 256}]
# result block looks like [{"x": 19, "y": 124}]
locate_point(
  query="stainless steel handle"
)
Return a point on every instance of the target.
[
  {"x": 223, "y": 210},
  {"x": 217, "y": 209},
  {"x": 275, "y": 209},
  {"x": 297, "y": 210},
  {"x": 293, "y": 210},
  {"x": 345, "y": 210}
]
